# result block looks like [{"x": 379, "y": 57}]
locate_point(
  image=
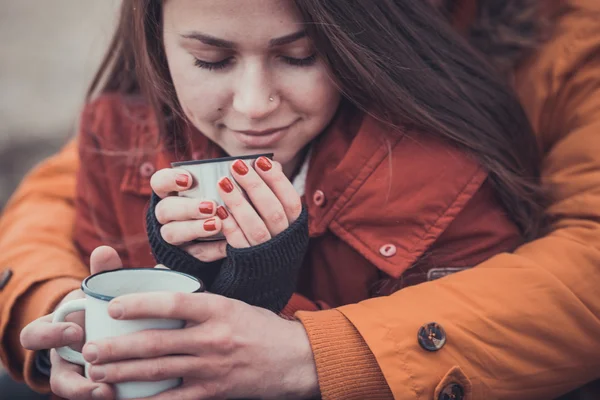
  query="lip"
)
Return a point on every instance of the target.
[
  {"x": 261, "y": 139},
  {"x": 263, "y": 133}
]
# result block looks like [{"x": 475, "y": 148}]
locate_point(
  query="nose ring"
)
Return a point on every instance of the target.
[{"x": 271, "y": 98}]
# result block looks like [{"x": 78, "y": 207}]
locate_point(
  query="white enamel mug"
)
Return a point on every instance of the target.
[{"x": 100, "y": 289}]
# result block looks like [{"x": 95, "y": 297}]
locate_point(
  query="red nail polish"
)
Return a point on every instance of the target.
[
  {"x": 210, "y": 225},
  {"x": 240, "y": 167},
  {"x": 182, "y": 180},
  {"x": 206, "y": 207},
  {"x": 264, "y": 163},
  {"x": 222, "y": 212},
  {"x": 226, "y": 185}
]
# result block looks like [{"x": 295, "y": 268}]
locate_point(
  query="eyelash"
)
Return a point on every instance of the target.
[
  {"x": 296, "y": 62},
  {"x": 212, "y": 65}
]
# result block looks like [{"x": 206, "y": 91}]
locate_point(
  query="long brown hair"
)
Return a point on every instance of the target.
[
  {"x": 398, "y": 60},
  {"x": 509, "y": 31}
]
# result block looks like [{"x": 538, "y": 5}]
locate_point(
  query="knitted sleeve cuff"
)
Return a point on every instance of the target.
[
  {"x": 298, "y": 303},
  {"x": 346, "y": 367},
  {"x": 172, "y": 256},
  {"x": 265, "y": 275}
]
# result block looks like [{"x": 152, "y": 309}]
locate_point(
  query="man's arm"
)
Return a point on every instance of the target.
[
  {"x": 36, "y": 246},
  {"x": 518, "y": 326}
]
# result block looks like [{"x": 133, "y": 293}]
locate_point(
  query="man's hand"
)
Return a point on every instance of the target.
[
  {"x": 66, "y": 379},
  {"x": 227, "y": 350}
]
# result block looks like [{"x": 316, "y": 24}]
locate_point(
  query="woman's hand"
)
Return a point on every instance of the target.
[
  {"x": 257, "y": 270},
  {"x": 66, "y": 379},
  {"x": 274, "y": 203},
  {"x": 228, "y": 349},
  {"x": 185, "y": 219}
]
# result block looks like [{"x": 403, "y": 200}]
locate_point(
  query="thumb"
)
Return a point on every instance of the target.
[{"x": 104, "y": 258}]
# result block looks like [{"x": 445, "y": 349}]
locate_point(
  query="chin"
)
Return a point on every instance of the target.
[{"x": 282, "y": 157}]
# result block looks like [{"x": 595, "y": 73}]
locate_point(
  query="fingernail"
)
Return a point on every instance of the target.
[
  {"x": 97, "y": 394},
  {"x": 206, "y": 207},
  {"x": 90, "y": 353},
  {"x": 70, "y": 335},
  {"x": 226, "y": 185},
  {"x": 210, "y": 225},
  {"x": 97, "y": 374},
  {"x": 264, "y": 163},
  {"x": 222, "y": 212},
  {"x": 240, "y": 167},
  {"x": 182, "y": 180},
  {"x": 115, "y": 310}
]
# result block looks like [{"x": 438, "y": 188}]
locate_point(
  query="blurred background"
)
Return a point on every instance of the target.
[{"x": 48, "y": 54}]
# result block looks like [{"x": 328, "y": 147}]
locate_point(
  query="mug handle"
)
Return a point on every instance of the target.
[{"x": 66, "y": 352}]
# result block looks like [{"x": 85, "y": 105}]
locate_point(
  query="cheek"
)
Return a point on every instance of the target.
[
  {"x": 199, "y": 96},
  {"x": 314, "y": 94},
  {"x": 199, "y": 101}
]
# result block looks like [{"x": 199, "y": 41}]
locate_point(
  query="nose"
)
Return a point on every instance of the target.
[{"x": 254, "y": 95}]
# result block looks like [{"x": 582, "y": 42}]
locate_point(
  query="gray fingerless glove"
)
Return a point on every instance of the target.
[{"x": 264, "y": 275}]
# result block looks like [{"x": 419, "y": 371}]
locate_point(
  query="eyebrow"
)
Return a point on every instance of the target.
[{"x": 226, "y": 44}]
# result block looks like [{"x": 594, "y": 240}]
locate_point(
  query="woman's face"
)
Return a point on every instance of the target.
[{"x": 247, "y": 76}]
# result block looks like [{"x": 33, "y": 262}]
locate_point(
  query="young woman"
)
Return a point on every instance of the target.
[
  {"x": 337, "y": 228},
  {"x": 415, "y": 162}
]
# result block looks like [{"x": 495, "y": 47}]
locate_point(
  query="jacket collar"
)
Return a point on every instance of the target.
[
  {"x": 343, "y": 158},
  {"x": 389, "y": 194}
]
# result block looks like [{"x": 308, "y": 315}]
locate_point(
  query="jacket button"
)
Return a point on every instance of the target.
[
  {"x": 5, "y": 277},
  {"x": 432, "y": 336},
  {"x": 147, "y": 169},
  {"x": 387, "y": 250},
  {"x": 319, "y": 198},
  {"x": 453, "y": 391}
]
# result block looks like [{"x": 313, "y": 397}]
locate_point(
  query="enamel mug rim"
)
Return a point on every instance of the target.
[
  {"x": 220, "y": 160},
  {"x": 89, "y": 292}
]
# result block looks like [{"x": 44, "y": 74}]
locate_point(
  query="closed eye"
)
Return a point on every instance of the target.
[
  {"x": 296, "y": 62},
  {"x": 300, "y": 62},
  {"x": 213, "y": 65}
]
